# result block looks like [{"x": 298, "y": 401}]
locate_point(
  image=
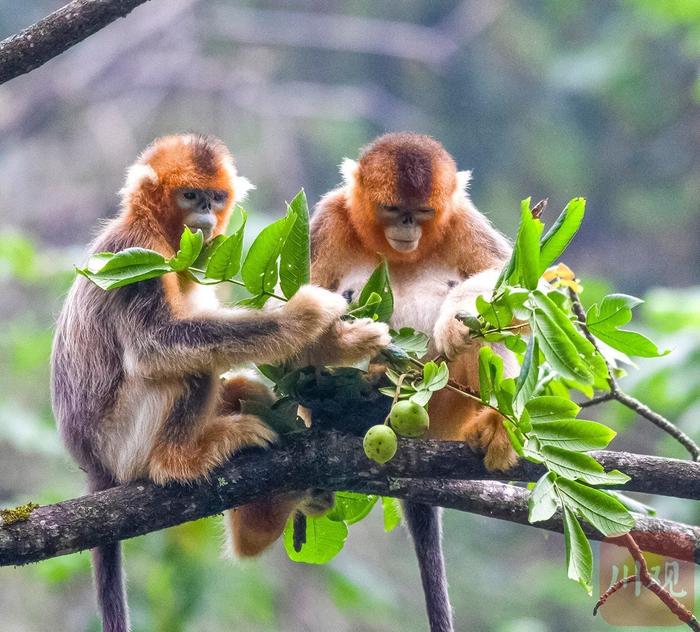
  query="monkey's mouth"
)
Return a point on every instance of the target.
[
  {"x": 403, "y": 245},
  {"x": 204, "y": 223}
]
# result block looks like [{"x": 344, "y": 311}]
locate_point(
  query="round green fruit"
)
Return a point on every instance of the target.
[
  {"x": 409, "y": 419},
  {"x": 380, "y": 443}
]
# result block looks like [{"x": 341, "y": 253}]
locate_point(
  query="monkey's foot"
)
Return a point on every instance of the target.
[
  {"x": 486, "y": 433},
  {"x": 316, "y": 502},
  {"x": 243, "y": 385},
  {"x": 220, "y": 439}
]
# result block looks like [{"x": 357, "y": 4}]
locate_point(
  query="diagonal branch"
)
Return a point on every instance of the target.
[
  {"x": 57, "y": 32},
  {"x": 326, "y": 460}
]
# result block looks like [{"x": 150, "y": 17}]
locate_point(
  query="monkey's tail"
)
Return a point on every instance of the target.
[
  {"x": 108, "y": 576},
  {"x": 424, "y": 524}
]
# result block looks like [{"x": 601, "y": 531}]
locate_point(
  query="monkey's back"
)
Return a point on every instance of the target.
[{"x": 87, "y": 359}]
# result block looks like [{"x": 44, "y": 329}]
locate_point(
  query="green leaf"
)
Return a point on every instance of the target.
[
  {"x": 527, "y": 248},
  {"x": 421, "y": 397},
  {"x": 439, "y": 378},
  {"x": 379, "y": 283},
  {"x": 273, "y": 372},
  {"x": 260, "y": 268},
  {"x": 527, "y": 379},
  {"x": 551, "y": 407},
  {"x": 632, "y": 504},
  {"x": 490, "y": 371},
  {"x": 281, "y": 415},
  {"x": 392, "y": 513},
  {"x": 517, "y": 438},
  {"x": 573, "y": 434},
  {"x": 110, "y": 271},
  {"x": 295, "y": 261},
  {"x": 543, "y": 501},
  {"x": 616, "y": 310},
  {"x": 351, "y": 507},
  {"x": 562, "y": 232},
  {"x": 581, "y": 466},
  {"x": 207, "y": 251},
  {"x": 514, "y": 342},
  {"x": 190, "y": 247},
  {"x": 498, "y": 314},
  {"x": 414, "y": 343},
  {"x": 225, "y": 261},
  {"x": 579, "y": 556},
  {"x": 325, "y": 538},
  {"x": 558, "y": 349},
  {"x": 602, "y": 510}
]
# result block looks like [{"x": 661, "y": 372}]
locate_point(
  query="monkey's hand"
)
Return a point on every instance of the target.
[
  {"x": 347, "y": 342},
  {"x": 450, "y": 335}
]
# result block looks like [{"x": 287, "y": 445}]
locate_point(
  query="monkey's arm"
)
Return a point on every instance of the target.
[{"x": 226, "y": 337}]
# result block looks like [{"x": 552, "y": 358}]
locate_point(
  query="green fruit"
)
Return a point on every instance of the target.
[
  {"x": 409, "y": 419},
  {"x": 380, "y": 443}
]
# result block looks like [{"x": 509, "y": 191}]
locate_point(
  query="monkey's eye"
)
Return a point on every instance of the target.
[
  {"x": 391, "y": 208},
  {"x": 189, "y": 195},
  {"x": 219, "y": 197},
  {"x": 425, "y": 211}
]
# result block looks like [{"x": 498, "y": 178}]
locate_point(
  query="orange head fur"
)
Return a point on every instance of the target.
[
  {"x": 168, "y": 165},
  {"x": 401, "y": 170}
]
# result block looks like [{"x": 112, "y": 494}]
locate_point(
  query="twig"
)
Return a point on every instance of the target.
[
  {"x": 619, "y": 395},
  {"x": 57, "y": 32},
  {"x": 599, "y": 399},
  {"x": 644, "y": 577}
]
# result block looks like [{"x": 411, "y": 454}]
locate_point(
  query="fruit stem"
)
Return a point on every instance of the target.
[{"x": 396, "y": 396}]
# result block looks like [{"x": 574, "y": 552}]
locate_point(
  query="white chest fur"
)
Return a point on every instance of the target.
[{"x": 417, "y": 296}]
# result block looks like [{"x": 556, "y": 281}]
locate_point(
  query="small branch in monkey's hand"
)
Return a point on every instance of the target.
[
  {"x": 645, "y": 578},
  {"x": 57, "y": 32},
  {"x": 328, "y": 460},
  {"x": 619, "y": 395}
]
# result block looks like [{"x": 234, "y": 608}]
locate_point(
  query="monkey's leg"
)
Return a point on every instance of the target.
[
  {"x": 253, "y": 527},
  {"x": 173, "y": 458}
]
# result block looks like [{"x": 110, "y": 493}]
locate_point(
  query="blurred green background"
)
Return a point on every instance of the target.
[{"x": 544, "y": 97}]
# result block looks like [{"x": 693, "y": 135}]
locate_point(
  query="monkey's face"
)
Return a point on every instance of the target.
[
  {"x": 202, "y": 208},
  {"x": 403, "y": 223}
]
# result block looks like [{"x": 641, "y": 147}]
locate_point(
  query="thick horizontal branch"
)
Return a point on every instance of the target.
[
  {"x": 507, "y": 502},
  {"x": 326, "y": 460},
  {"x": 57, "y": 32}
]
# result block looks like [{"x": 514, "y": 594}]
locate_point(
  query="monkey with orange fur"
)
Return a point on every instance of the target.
[
  {"x": 405, "y": 200},
  {"x": 136, "y": 384}
]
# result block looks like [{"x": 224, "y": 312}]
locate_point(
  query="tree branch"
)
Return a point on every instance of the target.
[
  {"x": 327, "y": 460},
  {"x": 619, "y": 395},
  {"x": 57, "y": 32},
  {"x": 508, "y": 502}
]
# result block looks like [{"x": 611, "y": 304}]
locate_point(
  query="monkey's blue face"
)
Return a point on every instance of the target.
[{"x": 200, "y": 208}]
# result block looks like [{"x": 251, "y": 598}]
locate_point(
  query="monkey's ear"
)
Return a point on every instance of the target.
[
  {"x": 241, "y": 186},
  {"x": 136, "y": 176},
  {"x": 462, "y": 189},
  {"x": 348, "y": 169}
]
